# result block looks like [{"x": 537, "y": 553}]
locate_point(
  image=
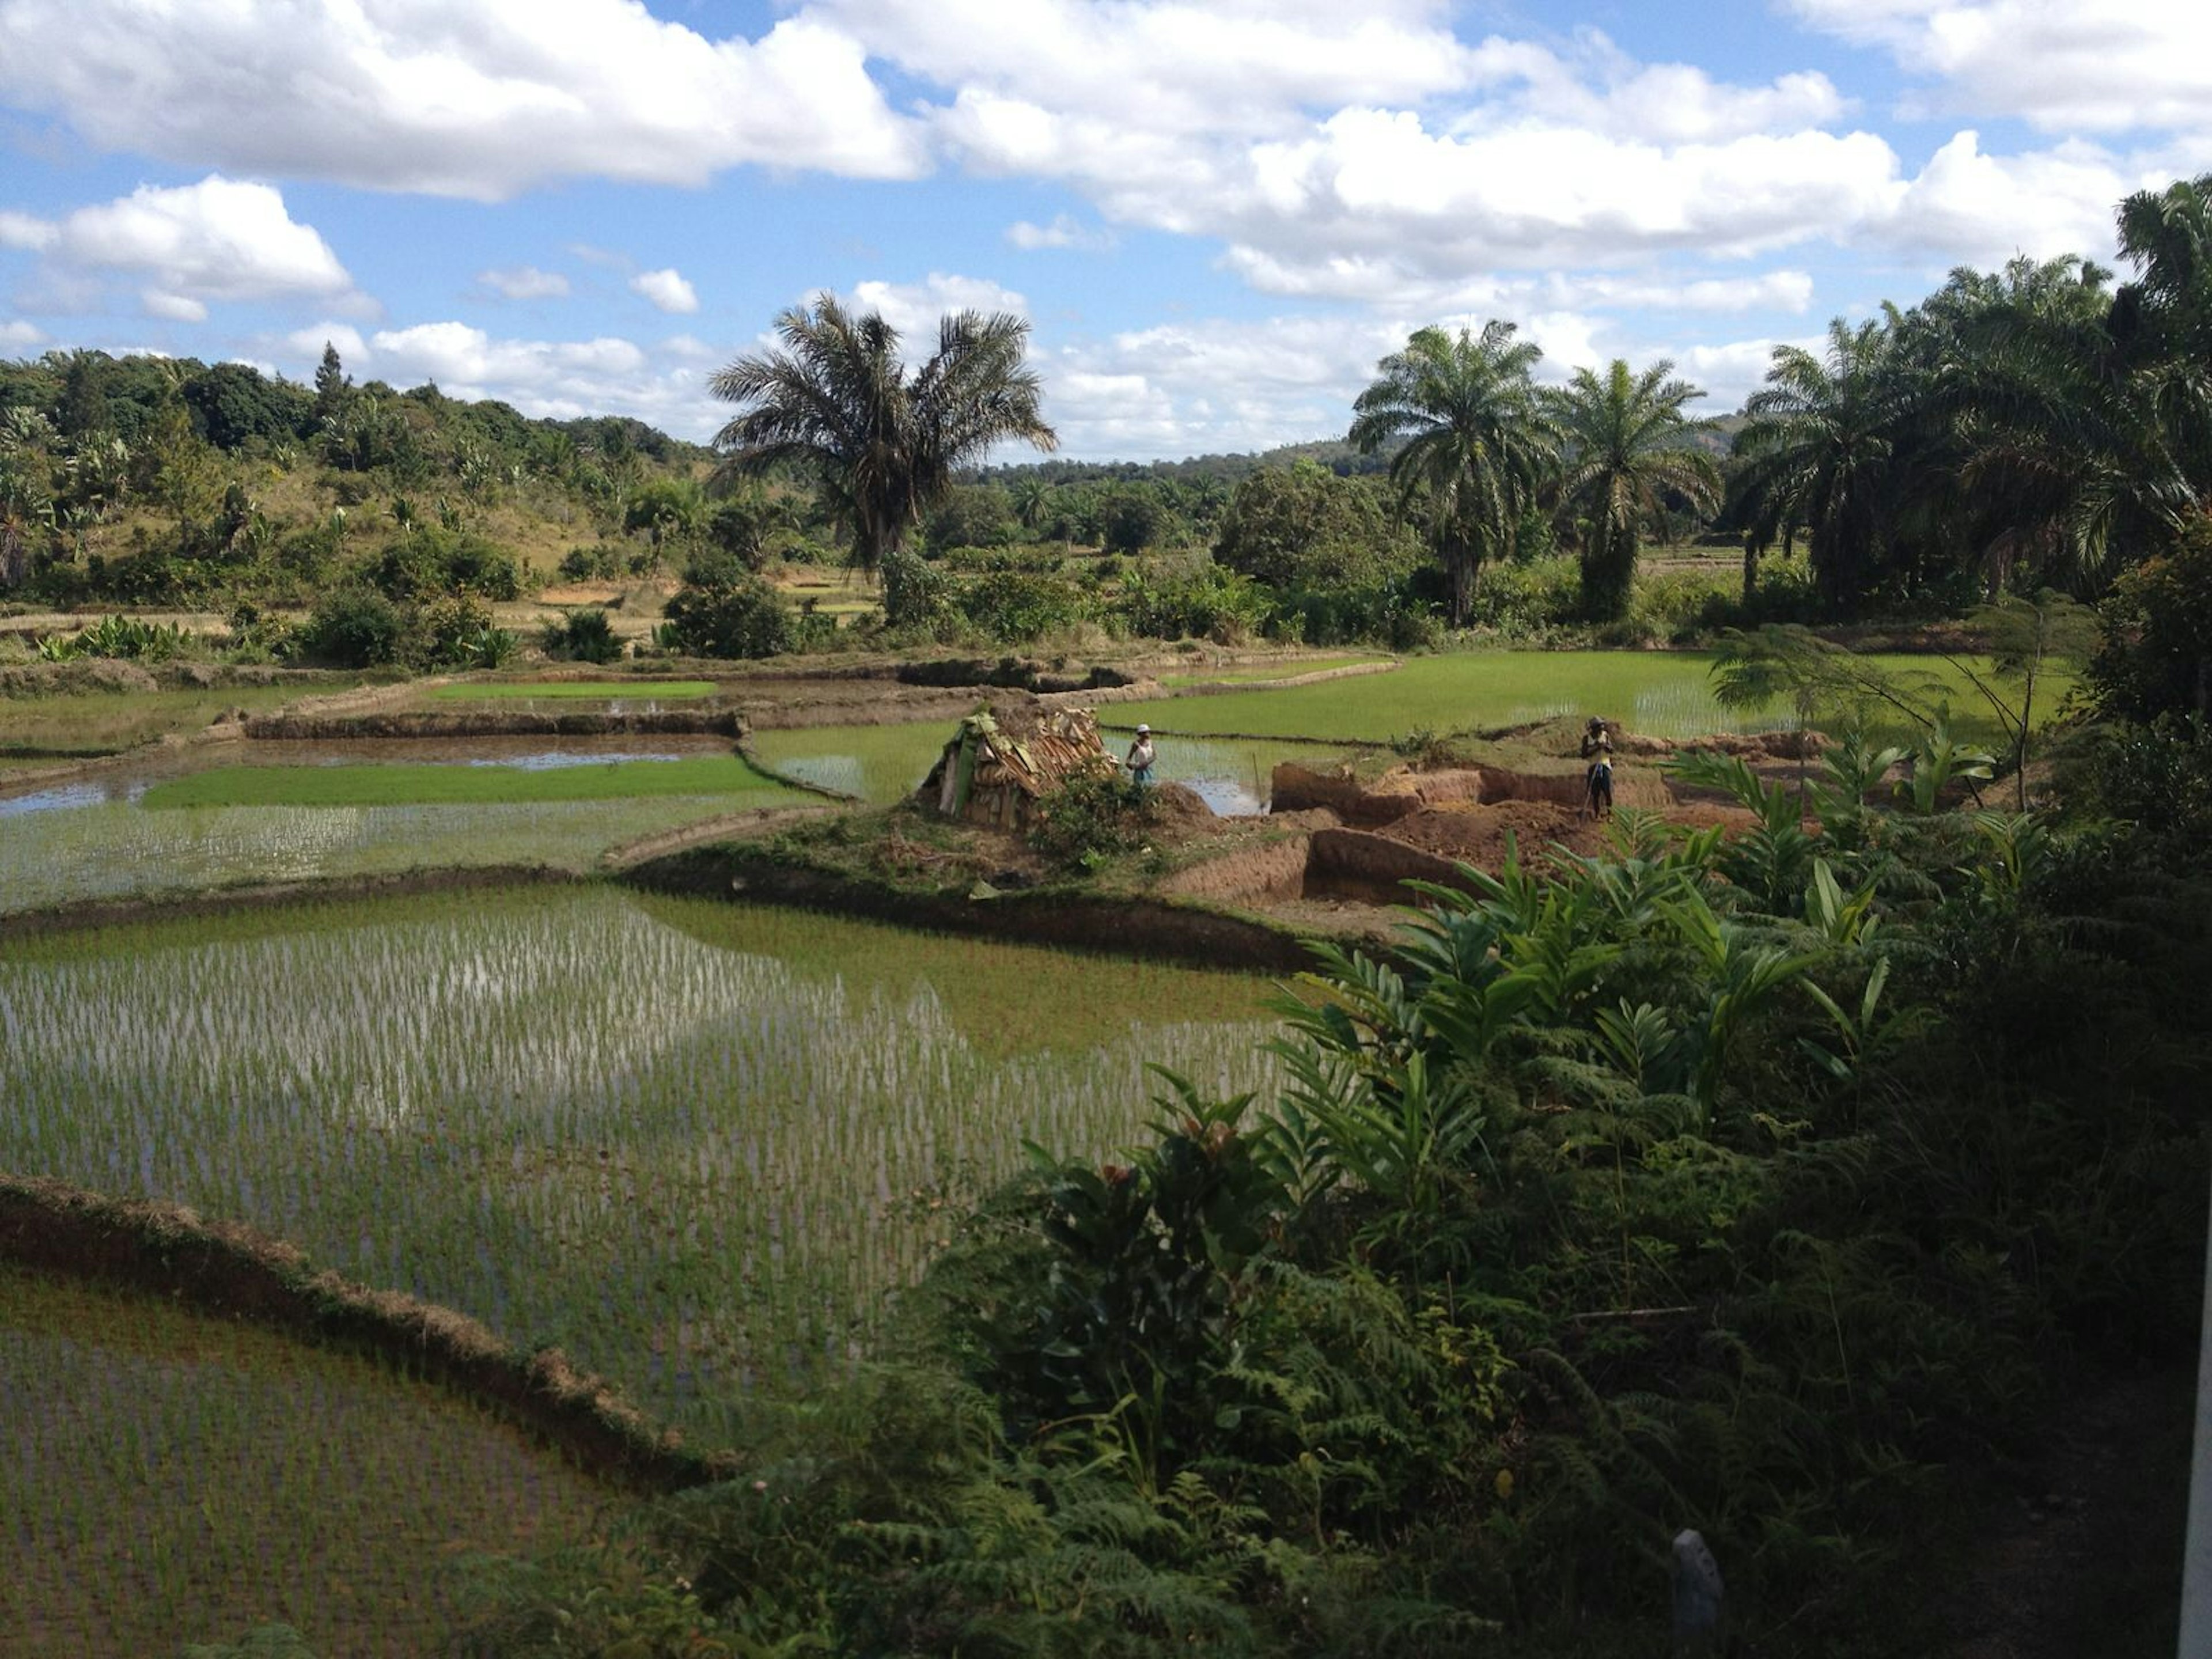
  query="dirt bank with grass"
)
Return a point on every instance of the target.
[
  {"x": 234, "y": 1272},
  {"x": 1158, "y": 926},
  {"x": 124, "y": 912}
]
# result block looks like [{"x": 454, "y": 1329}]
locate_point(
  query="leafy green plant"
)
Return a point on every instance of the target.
[{"x": 586, "y": 635}]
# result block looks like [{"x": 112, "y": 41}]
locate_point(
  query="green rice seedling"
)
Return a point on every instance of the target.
[
  {"x": 385, "y": 784},
  {"x": 120, "y": 850},
  {"x": 171, "y": 1478},
  {"x": 1664, "y": 693},
  {"x": 695, "y": 1157}
]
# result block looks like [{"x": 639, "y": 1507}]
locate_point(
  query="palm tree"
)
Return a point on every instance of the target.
[
  {"x": 1818, "y": 447},
  {"x": 1624, "y": 454},
  {"x": 1476, "y": 441},
  {"x": 884, "y": 444}
]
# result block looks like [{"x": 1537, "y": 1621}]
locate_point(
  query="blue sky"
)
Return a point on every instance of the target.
[{"x": 1217, "y": 215}]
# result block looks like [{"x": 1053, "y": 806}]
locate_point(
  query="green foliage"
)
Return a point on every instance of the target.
[
  {"x": 430, "y": 560},
  {"x": 971, "y": 515},
  {"x": 262, "y": 1642},
  {"x": 722, "y": 612},
  {"x": 1012, "y": 607},
  {"x": 118, "y": 636},
  {"x": 1210, "y": 602},
  {"x": 458, "y": 632},
  {"x": 916, "y": 596},
  {"x": 1304, "y": 526},
  {"x": 586, "y": 635},
  {"x": 1091, "y": 817},
  {"x": 2155, "y": 660},
  {"x": 354, "y": 628}
]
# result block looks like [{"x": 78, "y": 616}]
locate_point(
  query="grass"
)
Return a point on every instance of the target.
[
  {"x": 597, "y": 690},
  {"x": 728, "y": 776},
  {"x": 174, "y": 1478},
  {"x": 1667, "y": 694},
  {"x": 109, "y": 722},
  {"x": 695, "y": 1145}
]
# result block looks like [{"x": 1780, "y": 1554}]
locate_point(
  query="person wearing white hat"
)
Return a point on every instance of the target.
[{"x": 1141, "y": 756}]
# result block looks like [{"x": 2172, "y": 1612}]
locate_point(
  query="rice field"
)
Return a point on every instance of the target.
[
  {"x": 169, "y": 1478},
  {"x": 695, "y": 1145},
  {"x": 1664, "y": 693},
  {"x": 642, "y": 692},
  {"x": 117, "y": 849},
  {"x": 1280, "y": 671},
  {"x": 582, "y": 777},
  {"x": 881, "y": 764}
]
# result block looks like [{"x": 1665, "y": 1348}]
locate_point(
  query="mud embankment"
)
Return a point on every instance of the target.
[
  {"x": 1405, "y": 790},
  {"x": 498, "y": 723},
  {"x": 231, "y": 1271},
  {"x": 262, "y": 896},
  {"x": 1135, "y": 925}
]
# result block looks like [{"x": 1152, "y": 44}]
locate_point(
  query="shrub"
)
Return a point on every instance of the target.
[
  {"x": 458, "y": 632},
  {"x": 1009, "y": 605},
  {"x": 1090, "y": 819},
  {"x": 354, "y": 628},
  {"x": 583, "y": 636},
  {"x": 432, "y": 560},
  {"x": 727, "y": 616}
]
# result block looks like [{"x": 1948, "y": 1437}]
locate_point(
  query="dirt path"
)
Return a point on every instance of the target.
[{"x": 2084, "y": 1556}]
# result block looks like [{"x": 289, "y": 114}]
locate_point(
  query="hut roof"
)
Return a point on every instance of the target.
[{"x": 1030, "y": 755}]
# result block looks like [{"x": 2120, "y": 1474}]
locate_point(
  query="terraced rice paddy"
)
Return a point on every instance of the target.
[
  {"x": 117, "y": 850},
  {"x": 694, "y": 1144},
  {"x": 1662, "y": 694},
  {"x": 640, "y": 692},
  {"x": 168, "y": 1477},
  {"x": 581, "y": 777}
]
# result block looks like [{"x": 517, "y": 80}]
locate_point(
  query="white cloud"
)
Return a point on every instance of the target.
[
  {"x": 1167, "y": 66},
  {"x": 1967, "y": 206},
  {"x": 666, "y": 291},
  {"x": 22, "y": 230},
  {"x": 561, "y": 379},
  {"x": 220, "y": 240},
  {"x": 2064, "y": 65},
  {"x": 525, "y": 283},
  {"x": 916, "y": 308},
  {"x": 481, "y": 100},
  {"x": 17, "y": 335},
  {"x": 176, "y": 307},
  {"x": 1064, "y": 232}
]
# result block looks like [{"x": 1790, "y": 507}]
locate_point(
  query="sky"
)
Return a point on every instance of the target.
[{"x": 1217, "y": 214}]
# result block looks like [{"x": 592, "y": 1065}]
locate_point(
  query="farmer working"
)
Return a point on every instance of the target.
[
  {"x": 1141, "y": 756},
  {"x": 1597, "y": 781}
]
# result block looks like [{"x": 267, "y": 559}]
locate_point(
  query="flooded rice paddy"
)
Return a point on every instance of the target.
[{"x": 695, "y": 1145}]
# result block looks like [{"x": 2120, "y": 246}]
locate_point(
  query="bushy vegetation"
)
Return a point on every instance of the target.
[{"x": 1747, "y": 1185}]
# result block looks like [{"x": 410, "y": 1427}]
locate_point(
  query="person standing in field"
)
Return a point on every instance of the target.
[
  {"x": 1597, "y": 779},
  {"x": 1141, "y": 756}
]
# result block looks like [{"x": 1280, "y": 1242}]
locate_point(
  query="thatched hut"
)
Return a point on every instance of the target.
[{"x": 994, "y": 772}]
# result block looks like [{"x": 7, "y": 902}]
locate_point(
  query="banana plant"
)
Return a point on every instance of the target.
[{"x": 1938, "y": 758}]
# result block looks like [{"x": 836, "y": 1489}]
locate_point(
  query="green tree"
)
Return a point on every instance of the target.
[
  {"x": 1818, "y": 451},
  {"x": 332, "y": 386},
  {"x": 1476, "y": 441},
  {"x": 1302, "y": 525},
  {"x": 1625, "y": 454},
  {"x": 883, "y": 443}
]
